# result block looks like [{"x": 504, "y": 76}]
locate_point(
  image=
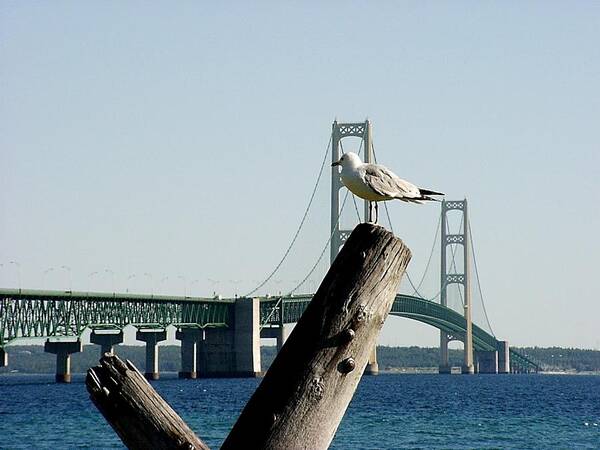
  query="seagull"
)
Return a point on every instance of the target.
[{"x": 377, "y": 183}]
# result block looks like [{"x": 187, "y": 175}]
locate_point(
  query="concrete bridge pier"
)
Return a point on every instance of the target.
[
  {"x": 63, "y": 351},
  {"x": 444, "y": 367},
  {"x": 189, "y": 338},
  {"x": 151, "y": 338},
  {"x": 372, "y": 366},
  {"x": 106, "y": 340},
  {"x": 215, "y": 353},
  {"x": 3, "y": 357},
  {"x": 503, "y": 357},
  {"x": 279, "y": 333},
  {"x": 444, "y": 370},
  {"x": 468, "y": 369},
  {"x": 486, "y": 361},
  {"x": 234, "y": 352},
  {"x": 281, "y": 337}
]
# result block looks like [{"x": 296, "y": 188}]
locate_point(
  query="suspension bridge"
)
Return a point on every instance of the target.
[{"x": 221, "y": 336}]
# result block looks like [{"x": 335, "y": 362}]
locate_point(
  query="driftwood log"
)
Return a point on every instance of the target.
[
  {"x": 304, "y": 395},
  {"x": 139, "y": 415},
  {"x": 308, "y": 387}
]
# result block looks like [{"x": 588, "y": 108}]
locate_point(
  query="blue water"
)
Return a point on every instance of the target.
[{"x": 387, "y": 412}]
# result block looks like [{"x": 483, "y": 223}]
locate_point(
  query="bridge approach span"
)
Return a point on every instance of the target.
[
  {"x": 45, "y": 314},
  {"x": 32, "y": 313}
]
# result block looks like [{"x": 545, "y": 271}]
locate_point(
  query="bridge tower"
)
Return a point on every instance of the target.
[
  {"x": 464, "y": 278},
  {"x": 338, "y": 132}
]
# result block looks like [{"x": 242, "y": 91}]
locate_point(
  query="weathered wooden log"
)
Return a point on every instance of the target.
[
  {"x": 306, "y": 391},
  {"x": 138, "y": 414},
  {"x": 304, "y": 395}
]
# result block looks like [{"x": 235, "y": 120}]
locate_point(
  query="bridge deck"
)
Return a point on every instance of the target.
[
  {"x": 289, "y": 309},
  {"x": 36, "y": 313}
]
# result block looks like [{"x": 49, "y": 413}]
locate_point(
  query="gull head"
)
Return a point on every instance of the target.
[{"x": 348, "y": 160}]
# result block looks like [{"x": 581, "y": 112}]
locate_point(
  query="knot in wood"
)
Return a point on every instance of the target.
[
  {"x": 317, "y": 387},
  {"x": 347, "y": 335},
  {"x": 363, "y": 314},
  {"x": 347, "y": 365},
  {"x": 184, "y": 445}
]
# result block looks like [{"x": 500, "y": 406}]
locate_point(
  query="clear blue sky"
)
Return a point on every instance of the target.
[{"x": 183, "y": 140}]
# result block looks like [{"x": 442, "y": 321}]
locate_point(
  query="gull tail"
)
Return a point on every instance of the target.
[{"x": 428, "y": 192}]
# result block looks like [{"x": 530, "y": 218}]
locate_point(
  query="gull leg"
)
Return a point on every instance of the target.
[
  {"x": 370, "y": 213},
  {"x": 376, "y": 219}
]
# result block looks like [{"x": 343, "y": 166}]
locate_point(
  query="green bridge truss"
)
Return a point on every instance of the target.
[
  {"x": 39, "y": 314},
  {"x": 280, "y": 310},
  {"x": 33, "y": 313}
]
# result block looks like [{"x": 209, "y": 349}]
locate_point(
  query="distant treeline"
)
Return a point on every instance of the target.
[
  {"x": 550, "y": 359},
  {"x": 557, "y": 358},
  {"x": 32, "y": 359}
]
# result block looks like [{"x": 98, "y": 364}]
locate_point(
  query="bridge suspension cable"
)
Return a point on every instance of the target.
[
  {"x": 287, "y": 252},
  {"x": 314, "y": 267},
  {"x": 453, "y": 253},
  {"x": 410, "y": 281},
  {"x": 435, "y": 239},
  {"x": 487, "y": 319},
  {"x": 387, "y": 213},
  {"x": 453, "y": 266},
  {"x": 437, "y": 229}
]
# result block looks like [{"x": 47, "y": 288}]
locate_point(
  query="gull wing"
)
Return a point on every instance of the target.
[{"x": 387, "y": 183}]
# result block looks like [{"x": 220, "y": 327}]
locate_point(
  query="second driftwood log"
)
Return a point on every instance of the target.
[{"x": 139, "y": 415}]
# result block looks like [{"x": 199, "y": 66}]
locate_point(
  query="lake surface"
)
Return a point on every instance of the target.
[{"x": 387, "y": 412}]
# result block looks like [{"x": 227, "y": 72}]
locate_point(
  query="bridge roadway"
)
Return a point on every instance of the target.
[
  {"x": 416, "y": 308},
  {"x": 60, "y": 314}
]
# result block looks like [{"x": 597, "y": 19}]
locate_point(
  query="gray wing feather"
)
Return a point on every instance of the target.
[{"x": 385, "y": 182}]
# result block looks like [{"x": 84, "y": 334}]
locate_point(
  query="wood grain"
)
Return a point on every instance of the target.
[
  {"x": 139, "y": 415},
  {"x": 306, "y": 391}
]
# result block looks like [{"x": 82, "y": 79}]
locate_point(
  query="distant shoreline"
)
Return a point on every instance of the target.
[
  {"x": 388, "y": 371},
  {"x": 31, "y": 359},
  {"x": 456, "y": 370}
]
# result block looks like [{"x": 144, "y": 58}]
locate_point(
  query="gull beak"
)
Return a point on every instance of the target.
[{"x": 337, "y": 163}]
